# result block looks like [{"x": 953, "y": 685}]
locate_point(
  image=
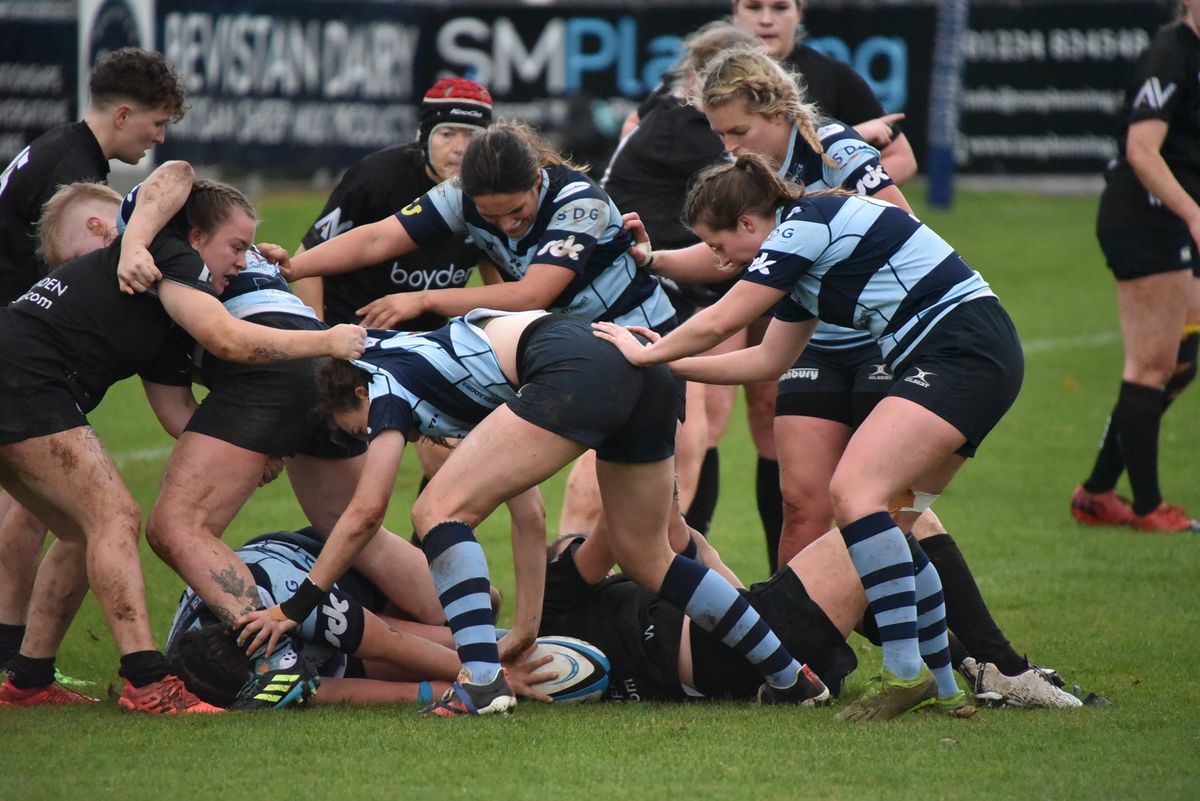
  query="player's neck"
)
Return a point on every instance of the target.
[{"x": 100, "y": 124}]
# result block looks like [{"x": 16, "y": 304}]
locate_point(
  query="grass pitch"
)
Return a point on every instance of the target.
[{"x": 1114, "y": 611}]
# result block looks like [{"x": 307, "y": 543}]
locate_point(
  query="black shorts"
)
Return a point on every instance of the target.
[
  {"x": 838, "y": 385},
  {"x": 34, "y": 406},
  {"x": 270, "y": 408},
  {"x": 1139, "y": 239},
  {"x": 801, "y": 625},
  {"x": 967, "y": 370},
  {"x": 580, "y": 387}
]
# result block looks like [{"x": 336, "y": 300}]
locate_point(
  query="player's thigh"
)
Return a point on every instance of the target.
[
  {"x": 502, "y": 457},
  {"x": 207, "y": 480},
  {"x": 1153, "y": 310},
  {"x": 323, "y": 487},
  {"x": 809, "y": 449},
  {"x": 637, "y": 500},
  {"x": 69, "y": 481},
  {"x": 900, "y": 446}
]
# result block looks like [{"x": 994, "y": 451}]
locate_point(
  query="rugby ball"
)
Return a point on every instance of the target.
[{"x": 582, "y": 669}]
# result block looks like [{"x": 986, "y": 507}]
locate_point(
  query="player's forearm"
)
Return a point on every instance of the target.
[
  {"x": 160, "y": 197},
  {"x": 898, "y": 159},
  {"x": 1154, "y": 174},
  {"x": 250, "y": 343},
  {"x": 506, "y": 296},
  {"x": 696, "y": 264},
  {"x": 356, "y": 248},
  {"x": 411, "y": 656},
  {"x": 354, "y": 529}
]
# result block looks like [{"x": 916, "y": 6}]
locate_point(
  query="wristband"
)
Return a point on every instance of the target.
[
  {"x": 301, "y": 604},
  {"x": 649, "y": 265},
  {"x": 424, "y": 693}
]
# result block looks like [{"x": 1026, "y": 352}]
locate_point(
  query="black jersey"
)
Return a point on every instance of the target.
[
  {"x": 650, "y": 170},
  {"x": 638, "y": 631},
  {"x": 75, "y": 323},
  {"x": 1165, "y": 86},
  {"x": 837, "y": 90},
  {"x": 63, "y": 155},
  {"x": 374, "y": 188}
]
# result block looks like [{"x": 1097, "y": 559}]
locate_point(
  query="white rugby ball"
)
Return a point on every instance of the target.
[{"x": 582, "y": 669}]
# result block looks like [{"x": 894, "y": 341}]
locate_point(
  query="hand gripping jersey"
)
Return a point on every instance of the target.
[
  {"x": 858, "y": 170},
  {"x": 577, "y": 227},
  {"x": 442, "y": 383},
  {"x": 863, "y": 264}
]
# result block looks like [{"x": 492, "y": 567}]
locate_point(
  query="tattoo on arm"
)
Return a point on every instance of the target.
[
  {"x": 229, "y": 581},
  {"x": 261, "y": 354}
]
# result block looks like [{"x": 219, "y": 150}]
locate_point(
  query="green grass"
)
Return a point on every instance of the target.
[{"x": 1116, "y": 612}]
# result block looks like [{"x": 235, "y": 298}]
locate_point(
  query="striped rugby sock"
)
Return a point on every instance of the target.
[
  {"x": 884, "y": 564},
  {"x": 931, "y": 623},
  {"x": 719, "y": 609},
  {"x": 460, "y": 576}
]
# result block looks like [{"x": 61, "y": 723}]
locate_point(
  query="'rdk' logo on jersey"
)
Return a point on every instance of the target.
[
  {"x": 760, "y": 264},
  {"x": 1153, "y": 95},
  {"x": 562, "y": 248}
]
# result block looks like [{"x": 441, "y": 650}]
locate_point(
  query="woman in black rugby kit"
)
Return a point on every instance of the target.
[
  {"x": 64, "y": 343},
  {"x": 1149, "y": 229}
]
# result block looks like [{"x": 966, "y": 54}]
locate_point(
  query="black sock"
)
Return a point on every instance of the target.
[
  {"x": 1136, "y": 420},
  {"x": 1109, "y": 463},
  {"x": 700, "y": 514},
  {"x": 143, "y": 667},
  {"x": 967, "y": 614},
  {"x": 26, "y": 673},
  {"x": 11, "y": 636},
  {"x": 770, "y": 507}
]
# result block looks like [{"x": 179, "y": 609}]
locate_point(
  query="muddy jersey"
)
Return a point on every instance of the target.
[
  {"x": 63, "y": 155},
  {"x": 372, "y": 190},
  {"x": 577, "y": 227},
  {"x": 76, "y": 323},
  {"x": 863, "y": 264},
  {"x": 442, "y": 383}
]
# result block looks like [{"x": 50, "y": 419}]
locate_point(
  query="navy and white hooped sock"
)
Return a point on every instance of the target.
[
  {"x": 931, "y": 623},
  {"x": 707, "y": 598},
  {"x": 460, "y": 576},
  {"x": 884, "y": 564}
]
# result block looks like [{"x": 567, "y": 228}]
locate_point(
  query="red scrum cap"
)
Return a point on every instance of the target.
[{"x": 454, "y": 101}]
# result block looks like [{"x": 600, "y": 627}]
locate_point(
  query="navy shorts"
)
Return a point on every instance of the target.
[
  {"x": 580, "y": 387},
  {"x": 270, "y": 408},
  {"x": 839, "y": 385},
  {"x": 801, "y": 625},
  {"x": 34, "y": 406},
  {"x": 967, "y": 370}
]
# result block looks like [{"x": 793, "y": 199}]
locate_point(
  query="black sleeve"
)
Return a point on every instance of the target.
[
  {"x": 179, "y": 263},
  {"x": 1161, "y": 80},
  {"x": 855, "y": 101},
  {"x": 348, "y": 206}
]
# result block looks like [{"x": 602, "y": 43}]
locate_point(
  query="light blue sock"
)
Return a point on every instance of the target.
[
  {"x": 884, "y": 564},
  {"x": 931, "y": 624},
  {"x": 460, "y": 576}
]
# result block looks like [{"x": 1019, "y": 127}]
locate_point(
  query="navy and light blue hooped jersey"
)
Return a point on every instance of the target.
[
  {"x": 577, "y": 227},
  {"x": 443, "y": 382},
  {"x": 863, "y": 264},
  {"x": 278, "y": 568},
  {"x": 255, "y": 290},
  {"x": 857, "y": 168}
]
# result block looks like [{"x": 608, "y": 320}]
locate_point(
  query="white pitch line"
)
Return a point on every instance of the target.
[
  {"x": 1051, "y": 344},
  {"x": 141, "y": 455}
]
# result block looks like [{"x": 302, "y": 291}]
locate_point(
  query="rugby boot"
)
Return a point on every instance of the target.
[
  {"x": 1035, "y": 687},
  {"x": 808, "y": 690},
  {"x": 1100, "y": 508},
  {"x": 467, "y": 698},
  {"x": 956, "y": 706},
  {"x": 278, "y": 680},
  {"x": 1167, "y": 517},
  {"x": 53, "y": 693},
  {"x": 167, "y": 696},
  {"x": 888, "y": 696}
]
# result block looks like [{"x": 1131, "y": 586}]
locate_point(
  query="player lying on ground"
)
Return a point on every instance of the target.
[{"x": 363, "y": 655}]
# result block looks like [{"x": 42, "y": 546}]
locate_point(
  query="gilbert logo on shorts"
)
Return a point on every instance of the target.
[
  {"x": 919, "y": 377},
  {"x": 879, "y": 373}
]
